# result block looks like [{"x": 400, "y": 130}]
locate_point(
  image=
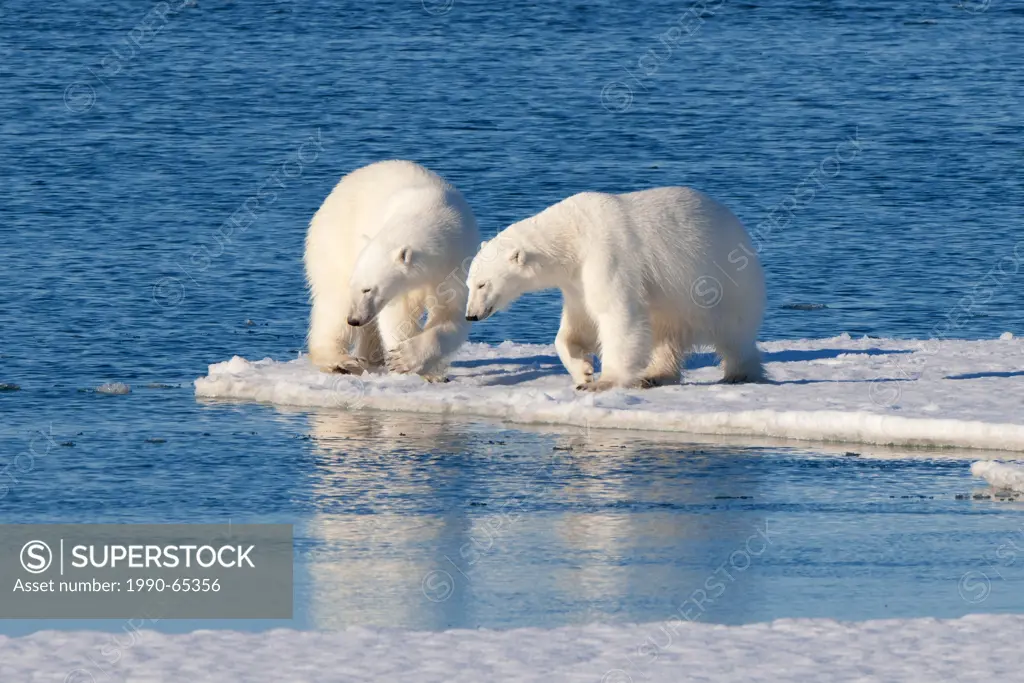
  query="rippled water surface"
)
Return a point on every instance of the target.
[
  {"x": 874, "y": 149},
  {"x": 423, "y": 522}
]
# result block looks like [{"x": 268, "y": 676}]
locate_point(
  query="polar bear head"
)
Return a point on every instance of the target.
[
  {"x": 384, "y": 271},
  {"x": 502, "y": 271}
]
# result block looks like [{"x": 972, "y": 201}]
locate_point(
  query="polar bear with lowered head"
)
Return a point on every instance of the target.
[
  {"x": 645, "y": 277},
  {"x": 386, "y": 248}
]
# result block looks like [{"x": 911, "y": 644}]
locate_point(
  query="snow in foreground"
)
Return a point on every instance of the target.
[
  {"x": 974, "y": 648},
  {"x": 882, "y": 391}
]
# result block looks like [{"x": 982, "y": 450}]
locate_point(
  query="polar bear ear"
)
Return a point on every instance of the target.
[
  {"x": 517, "y": 257},
  {"x": 404, "y": 255}
]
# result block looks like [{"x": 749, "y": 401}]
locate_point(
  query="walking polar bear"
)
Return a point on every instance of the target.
[
  {"x": 645, "y": 277},
  {"x": 387, "y": 246}
]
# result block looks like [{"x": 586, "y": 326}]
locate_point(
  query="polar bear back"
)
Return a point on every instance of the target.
[
  {"x": 399, "y": 201},
  {"x": 671, "y": 235},
  {"x": 684, "y": 252}
]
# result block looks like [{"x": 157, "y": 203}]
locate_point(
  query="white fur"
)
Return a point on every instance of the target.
[
  {"x": 638, "y": 274},
  {"x": 387, "y": 246}
]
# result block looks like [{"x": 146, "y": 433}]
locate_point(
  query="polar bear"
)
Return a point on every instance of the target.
[
  {"x": 388, "y": 246},
  {"x": 645, "y": 277}
]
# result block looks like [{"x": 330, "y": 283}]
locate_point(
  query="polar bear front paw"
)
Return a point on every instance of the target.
[
  {"x": 347, "y": 366},
  {"x": 597, "y": 385},
  {"x": 396, "y": 363},
  {"x": 584, "y": 374},
  {"x": 606, "y": 384},
  {"x": 405, "y": 359}
]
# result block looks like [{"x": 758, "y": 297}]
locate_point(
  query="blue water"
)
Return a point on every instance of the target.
[{"x": 873, "y": 147}]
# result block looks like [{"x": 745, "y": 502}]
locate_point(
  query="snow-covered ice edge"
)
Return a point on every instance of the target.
[
  {"x": 961, "y": 394},
  {"x": 972, "y": 648},
  {"x": 1000, "y": 475}
]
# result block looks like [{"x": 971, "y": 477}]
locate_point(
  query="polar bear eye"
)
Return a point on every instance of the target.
[
  {"x": 481, "y": 285},
  {"x": 366, "y": 291}
]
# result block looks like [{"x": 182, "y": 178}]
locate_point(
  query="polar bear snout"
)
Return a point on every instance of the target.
[
  {"x": 365, "y": 306},
  {"x": 477, "y": 317},
  {"x": 479, "y": 307}
]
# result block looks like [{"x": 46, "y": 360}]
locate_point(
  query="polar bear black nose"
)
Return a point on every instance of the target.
[{"x": 472, "y": 318}]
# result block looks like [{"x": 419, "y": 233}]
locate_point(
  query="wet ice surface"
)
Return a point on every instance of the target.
[{"x": 948, "y": 393}]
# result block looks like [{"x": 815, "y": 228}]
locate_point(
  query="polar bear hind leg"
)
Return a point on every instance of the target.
[
  {"x": 666, "y": 358},
  {"x": 741, "y": 362}
]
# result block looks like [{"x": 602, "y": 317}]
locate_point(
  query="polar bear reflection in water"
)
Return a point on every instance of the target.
[
  {"x": 645, "y": 277},
  {"x": 425, "y": 522}
]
